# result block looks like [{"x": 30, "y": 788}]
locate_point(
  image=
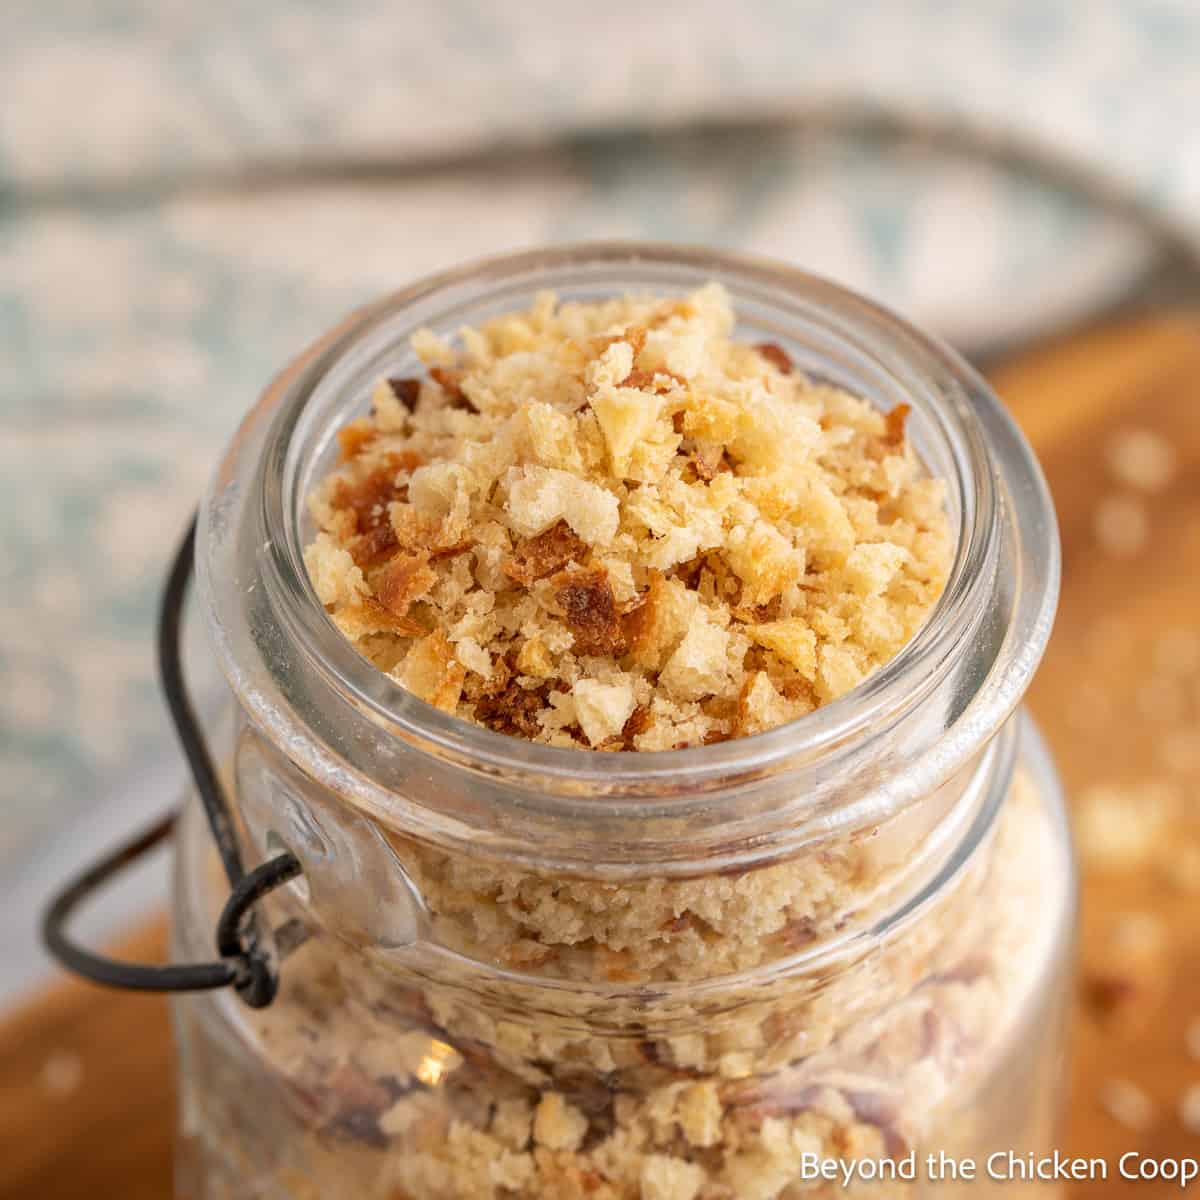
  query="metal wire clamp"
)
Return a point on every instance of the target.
[{"x": 245, "y": 963}]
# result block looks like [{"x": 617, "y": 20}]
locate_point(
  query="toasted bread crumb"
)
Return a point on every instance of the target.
[
  {"x": 1121, "y": 526},
  {"x": 1191, "y": 1039},
  {"x": 543, "y": 555},
  {"x": 1127, "y": 1104},
  {"x": 62, "y": 1073},
  {"x": 557, "y": 1125},
  {"x": 666, "y": 1178},
  {"x": 1142, "y": 459},
  {"x": 1189, "y": 1109}
]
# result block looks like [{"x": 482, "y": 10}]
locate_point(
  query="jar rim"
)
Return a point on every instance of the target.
[{"x": 1005, "y": 521}]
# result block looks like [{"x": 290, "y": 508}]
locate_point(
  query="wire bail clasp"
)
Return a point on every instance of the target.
[{"x": 246, "y": 963}]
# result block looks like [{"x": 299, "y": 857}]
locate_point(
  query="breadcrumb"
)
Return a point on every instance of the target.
[
  {"x": 1127, "y": 1104},
  {"x": 1142, "y": 459},
  {"x": 619, "y": 500},
  {"x": 1121, "y": 526}
]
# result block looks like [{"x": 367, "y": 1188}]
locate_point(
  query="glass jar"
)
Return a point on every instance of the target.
[{"x": 691, "y": 975}]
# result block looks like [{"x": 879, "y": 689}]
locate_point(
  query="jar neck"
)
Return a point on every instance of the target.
[
  {"x": 354, "y": 889},
  {"x": 915, "y": 724}
]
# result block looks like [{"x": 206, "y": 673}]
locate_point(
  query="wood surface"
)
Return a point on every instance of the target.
[{"x": 109, "y": 1135}]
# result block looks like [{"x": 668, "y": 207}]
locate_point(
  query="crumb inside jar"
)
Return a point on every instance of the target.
[{"x": 614, "y": 526}]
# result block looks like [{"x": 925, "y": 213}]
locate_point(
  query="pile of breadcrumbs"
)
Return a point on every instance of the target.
[{"x": 611, "y": 525}]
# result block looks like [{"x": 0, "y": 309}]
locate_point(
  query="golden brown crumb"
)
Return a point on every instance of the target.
[
  {"x": 896, "y": 424},
  {"x": 649, "y": 627},
  {"x": 406, "y": 391},
  {"x": 450, "y": 381},
  {"x": 557, "y": 1124},
  {"x": 1126, "y": 986},
  {"x": 364, "y": 505},
  {"x": 62, "y": 1073},
  {"x": 776, "y": 355},
  {"x": 585, "y": 599},
  {"x": 536, "y": 557},
  {"x": 404, "y": 579},
  {"x": 1189, "y": 1109},
  {"x": 657, "y": 381},
  {"x": 433, "y": 673},
  {"x": 513, "y": 710},
  {"x": 1177, "y": 652},
  {"x": 1191, "y": 1039},
  {"x": 371, "y": 616},
  {"x": 637, "y": 722},
  {"x": 633, "y": 335},
  {"x": 1180, "y": 865},
  {"x": 1109, "y": 996},
  {"x": 1142, "y": 459},
  {"x": 355, "y": 437},
  {"x": 1180, "y": 750},
  {"x": 1127, "y": 1103},
  {"x": 667, "y": 1178},
  {"x": 1121, "y": 526},
  {"x": 1120, "y": 827}
]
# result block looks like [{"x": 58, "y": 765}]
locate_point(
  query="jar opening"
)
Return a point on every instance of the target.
[{"x": 930, "y": 707}]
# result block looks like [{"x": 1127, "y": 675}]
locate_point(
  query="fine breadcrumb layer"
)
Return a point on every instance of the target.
[
  {"x": 454, "y": 1089},
  {"x": 612, "y": 526}
]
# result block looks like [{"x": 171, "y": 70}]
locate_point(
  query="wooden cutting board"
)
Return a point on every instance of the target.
[{"x": 86, "y": 1106}]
